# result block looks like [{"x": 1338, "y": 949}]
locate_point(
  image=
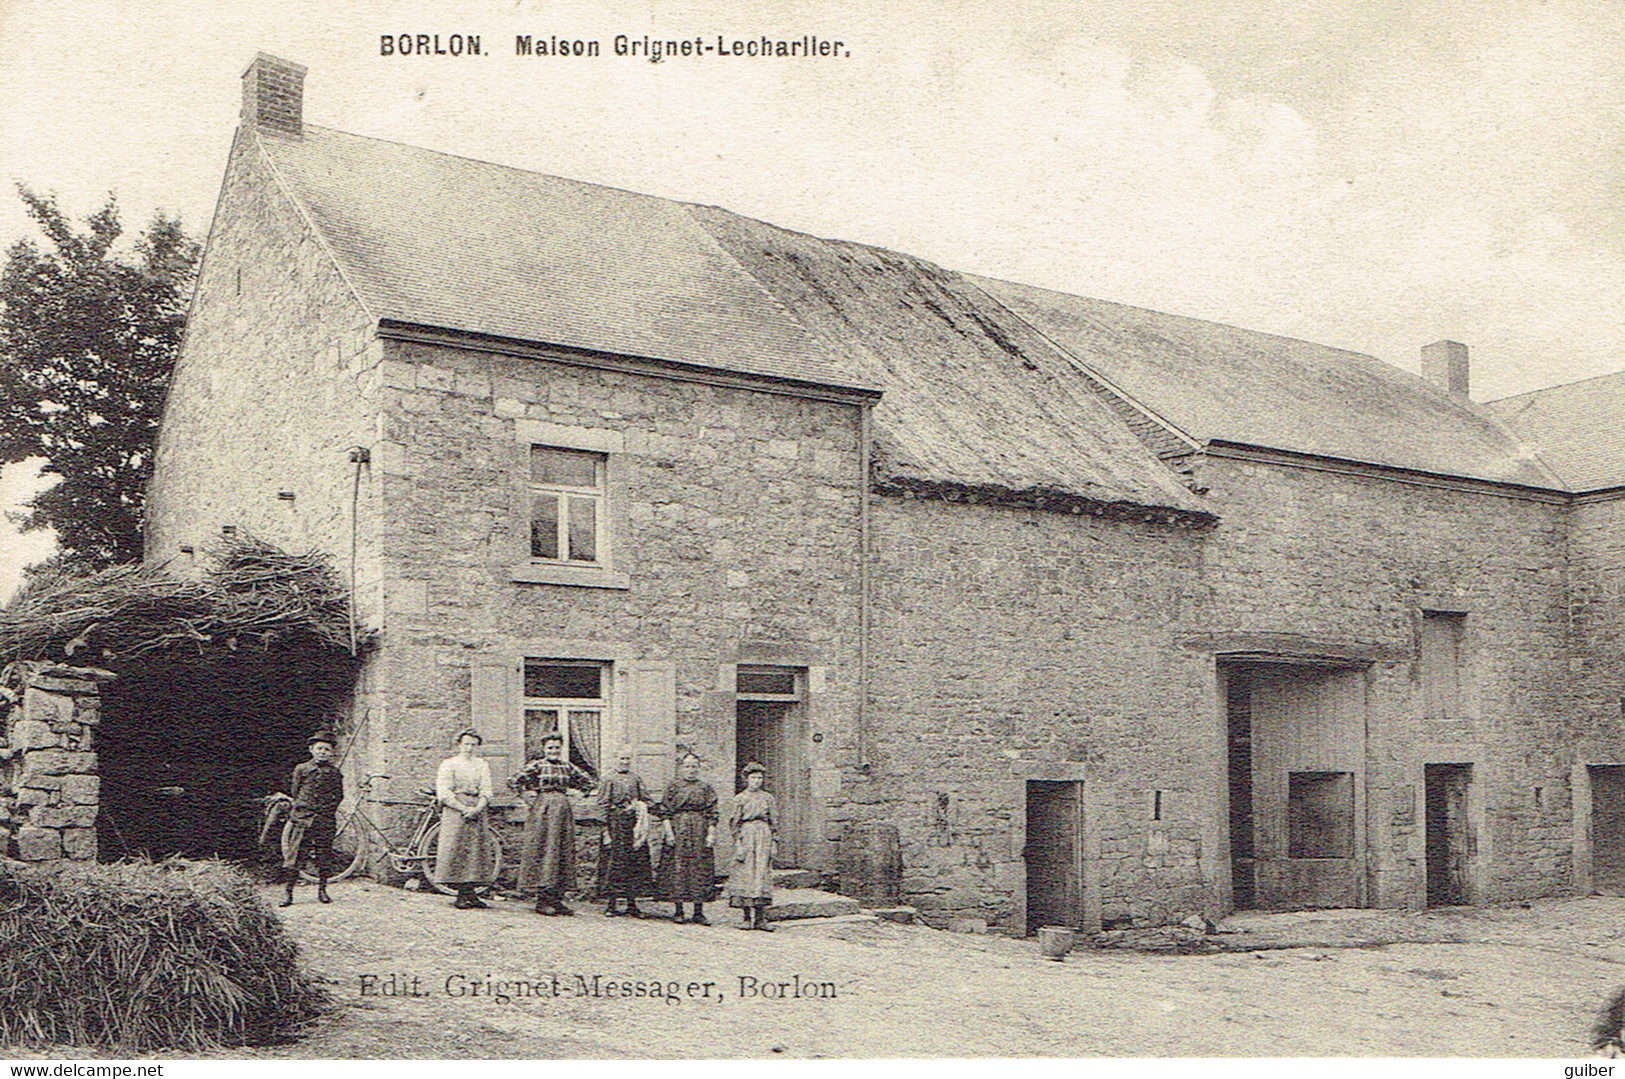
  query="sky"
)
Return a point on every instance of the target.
[{"x": 1368, "y": 174}]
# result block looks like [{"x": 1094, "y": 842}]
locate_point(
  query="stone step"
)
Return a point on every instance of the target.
[
  {"x": 808, "y": 903},
  {"x": 900, "y": 915},
  {"x": 796, "y": 878},
  {"x": 838, "y": 919}
]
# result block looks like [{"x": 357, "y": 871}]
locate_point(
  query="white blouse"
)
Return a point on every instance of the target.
[{"x": 459, "y": 776}]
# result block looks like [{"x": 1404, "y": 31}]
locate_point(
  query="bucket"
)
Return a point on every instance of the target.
[{"x": 1054, "y": 941}]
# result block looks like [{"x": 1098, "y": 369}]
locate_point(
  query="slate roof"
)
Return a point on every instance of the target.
[
  {"x": 460, "y": 244},
  {"x": 1217, "y": 382},
  {"x": 988, "y": 385},
  {"x": 1578, "y": 429}
]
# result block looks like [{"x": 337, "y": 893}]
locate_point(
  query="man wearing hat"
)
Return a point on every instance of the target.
[{"x": 318, "y": 788}]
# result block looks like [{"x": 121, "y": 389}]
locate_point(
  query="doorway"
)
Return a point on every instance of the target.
[
  {"x": 1295, "y": 757},
  {"x": 1449, "y": 834},
  {"x": 1608, "y": 829},
  {"x": 1054, "y": 853},
  {"x": 770, "y": 729}
]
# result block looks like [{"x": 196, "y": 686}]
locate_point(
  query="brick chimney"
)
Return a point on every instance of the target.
[
  {"x": 1444, "y": 363},
  {"x": 274, "y": 96}
]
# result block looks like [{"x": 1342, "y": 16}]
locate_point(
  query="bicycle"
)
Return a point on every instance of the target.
[{"x": 357, "y": 831}]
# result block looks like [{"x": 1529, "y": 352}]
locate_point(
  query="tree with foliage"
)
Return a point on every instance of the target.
[{"x": 88, "y": 337}]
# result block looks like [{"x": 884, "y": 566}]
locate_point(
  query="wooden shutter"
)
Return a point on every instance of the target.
[
  {"x": 494, "y": 712},
  {"x": 651, "y": 721}
]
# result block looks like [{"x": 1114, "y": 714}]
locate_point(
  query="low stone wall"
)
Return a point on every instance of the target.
[{"x": 49, "y": 788}]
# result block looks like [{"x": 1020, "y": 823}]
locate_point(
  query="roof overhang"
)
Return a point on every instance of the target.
[{"x": 417, "y": 333}]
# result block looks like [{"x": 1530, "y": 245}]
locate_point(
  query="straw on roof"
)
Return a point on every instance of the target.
[{"x": 253, "y": 595}]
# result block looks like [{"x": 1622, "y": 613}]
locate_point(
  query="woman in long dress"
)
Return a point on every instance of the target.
[
  {"x": 465, "y": 857},
  {"x": 687, "y": 869},
  {"x": 624, "y": 870},
  {"x": 750, "y": 821},
  {"x": 547, "y": 861}
]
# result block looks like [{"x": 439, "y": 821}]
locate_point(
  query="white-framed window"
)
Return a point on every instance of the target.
[
  {"x": 567, "y": 505},
  {"x": 569, "y": 697}
]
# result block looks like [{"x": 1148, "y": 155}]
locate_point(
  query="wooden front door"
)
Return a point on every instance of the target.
[
  {"x": 1054, "y": 854},
  {"x": 770, "y": 733}
]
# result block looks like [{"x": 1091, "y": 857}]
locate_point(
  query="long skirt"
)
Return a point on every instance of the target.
[
  {"x": 466, "y": 852},
  {"x": 687, "y": 870},
  {"x": 626, "y": 872},
  {"x": 751, "y": 882},
  {"x": 547, "y": 861},
  {"x": 309, "y": 837}
]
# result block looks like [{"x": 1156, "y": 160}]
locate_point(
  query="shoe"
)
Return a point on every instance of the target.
[
  {"x": 764, "y": 926},
  {"x": 562, "y": 910},
  {"x": 287, "y": 900},
  {"x": 746, "y": 926},
  {"x": 699, "y": 919},
  {"x": 476, "y": 903},
  {"x": 463, "y": 902},
  {"x": 632, "y": 911},
  {"x": 611, "y": 912},
  {"x": 680, "y": 919},
  {"x": 322, "y": 896},
  {"x": 543, "y": 908}
]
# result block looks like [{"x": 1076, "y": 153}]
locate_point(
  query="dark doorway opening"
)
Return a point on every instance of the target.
[
  {"x": 770, "y": 730},
  {"x": 186, "y": 748},
  {"x": 1243, "y": 887},
  {"x": 1054, "y": 854},
  {"x": 1449, "y": 834},
  {"x": 1608, "y": 829}
]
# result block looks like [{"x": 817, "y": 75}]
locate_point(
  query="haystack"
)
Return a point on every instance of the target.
[{"x": 139, "y": 956}]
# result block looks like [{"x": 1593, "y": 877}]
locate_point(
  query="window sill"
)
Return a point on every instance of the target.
[{"x": 575, "y": 576}]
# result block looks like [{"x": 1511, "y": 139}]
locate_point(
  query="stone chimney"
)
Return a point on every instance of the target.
[
  {"x": 1444, "y": 363},
  {"x": 274, "y": 96}
]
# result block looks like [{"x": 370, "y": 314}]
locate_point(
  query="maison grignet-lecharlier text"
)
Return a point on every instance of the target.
[{"x": 630, "y": 46}]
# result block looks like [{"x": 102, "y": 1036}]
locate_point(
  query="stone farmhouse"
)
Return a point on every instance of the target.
[{"x": 1112, "y": 614}]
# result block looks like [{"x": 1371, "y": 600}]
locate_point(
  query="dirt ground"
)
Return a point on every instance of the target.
[{"x": 1497, "y": 982}]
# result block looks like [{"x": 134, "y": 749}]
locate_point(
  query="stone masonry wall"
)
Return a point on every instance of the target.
[
  {"x": 735, "y": 517},
  {"x": 1004, "y": 637},
  {"x": 1597, "y": 613},
  {"x": 1353, "y": 561},
  {"x": 276, "y": 381},
  {"x": 49, "y": 789}
]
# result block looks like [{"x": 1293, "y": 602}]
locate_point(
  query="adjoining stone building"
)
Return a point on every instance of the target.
[{"x": 1112, "y": 614}]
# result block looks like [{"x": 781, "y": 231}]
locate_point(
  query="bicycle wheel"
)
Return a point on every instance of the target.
[
  {"x": 426, "y": 853},
  {"x": 349, "y": 849}
]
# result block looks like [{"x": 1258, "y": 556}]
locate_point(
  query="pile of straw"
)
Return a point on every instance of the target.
[
  {"x": 252, "y": 594},
  {"x": 137, "y": 956}
]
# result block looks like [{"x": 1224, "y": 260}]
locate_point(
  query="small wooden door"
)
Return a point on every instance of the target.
[
  {"x": 1449, "y": 834},
  {"x": 1608, "y": 829},
  {"x": 770, "y": 733},
  {"x": 1054, "y": 854}
]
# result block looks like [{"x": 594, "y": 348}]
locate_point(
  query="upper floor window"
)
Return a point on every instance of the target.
[{"x": 567, "y": 494}]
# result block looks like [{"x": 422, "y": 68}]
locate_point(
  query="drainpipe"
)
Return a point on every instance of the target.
[{"x": 861, "y": 734}]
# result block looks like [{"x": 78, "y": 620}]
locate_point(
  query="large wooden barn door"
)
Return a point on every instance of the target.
[{"x": 1306, "y": 751}]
